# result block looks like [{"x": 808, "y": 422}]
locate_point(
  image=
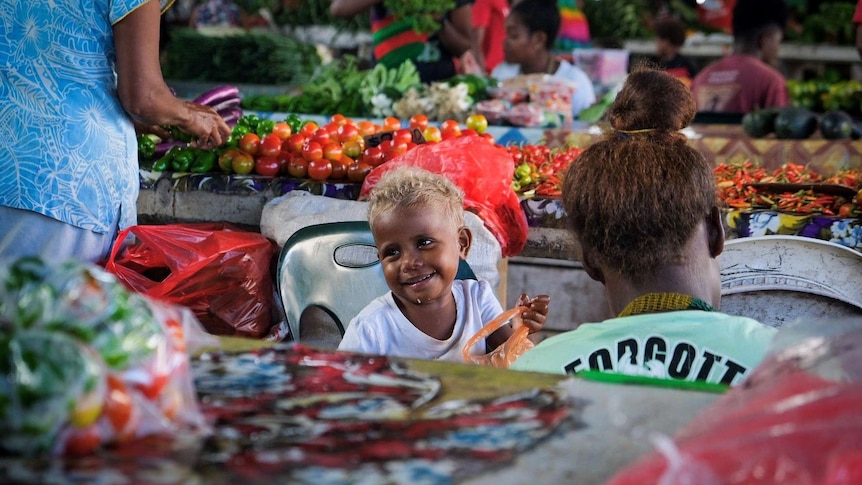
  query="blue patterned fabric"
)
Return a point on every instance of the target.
[{"x": 69, "y": 149}]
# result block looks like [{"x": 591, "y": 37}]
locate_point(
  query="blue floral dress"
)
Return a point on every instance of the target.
[{"x": 69, "y": 149}]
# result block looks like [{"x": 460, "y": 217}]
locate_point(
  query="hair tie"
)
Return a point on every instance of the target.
[{"x": 632, "y": 132}]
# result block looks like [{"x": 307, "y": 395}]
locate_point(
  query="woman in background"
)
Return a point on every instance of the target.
[{"x": 531, "y": 30}]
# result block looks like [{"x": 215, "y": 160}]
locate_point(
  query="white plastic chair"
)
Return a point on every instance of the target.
[{"x": 779, "y": 279}]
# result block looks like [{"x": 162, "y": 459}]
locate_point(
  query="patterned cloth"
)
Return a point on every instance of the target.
[{"x": 72, "y": 146}]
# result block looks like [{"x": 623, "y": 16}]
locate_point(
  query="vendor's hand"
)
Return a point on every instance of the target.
[
  {"x": 159, "y": 131},
  {"x": 206, "y": 125},
  {"x": 536, "y": 314}
]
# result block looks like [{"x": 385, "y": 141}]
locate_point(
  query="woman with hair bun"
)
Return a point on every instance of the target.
[{"x": 642, "y": 204}]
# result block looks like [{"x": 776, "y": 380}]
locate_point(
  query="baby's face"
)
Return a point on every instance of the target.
[{"x": 420, "y": 251}]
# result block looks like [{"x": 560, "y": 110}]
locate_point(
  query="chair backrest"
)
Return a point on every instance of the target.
[
  {"x": 332, "y": 267},
  {"x": 778, "y": 279}
]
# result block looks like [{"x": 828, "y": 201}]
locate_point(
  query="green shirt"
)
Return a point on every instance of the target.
[{"x": 688, "y": 345}]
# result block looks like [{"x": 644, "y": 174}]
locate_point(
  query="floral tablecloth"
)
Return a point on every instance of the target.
[
  {"x": 247, "y": 184},
  {"x": 549, "y": 213},
  {"x": 748, "y": 223},
  {"x": 292, "y": 414}
]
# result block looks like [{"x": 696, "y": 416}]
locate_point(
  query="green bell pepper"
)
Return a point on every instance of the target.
[{"x": 204, "y": 162}]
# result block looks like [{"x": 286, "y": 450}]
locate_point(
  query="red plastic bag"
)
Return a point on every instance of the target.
[
  {"x": 509, "y": 351},
  {"x": 218, "y": 271},
  {"x": 483, "y": 171},
  {"x": 796, "y": 419}
]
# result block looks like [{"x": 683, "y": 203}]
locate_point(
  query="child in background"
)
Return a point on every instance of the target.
[
  {"x": 669, "y": 38},
  {"x": 417, "y": 220},
  {"x": 489, "y": 30},
  {"x": 531, "y": 30}
]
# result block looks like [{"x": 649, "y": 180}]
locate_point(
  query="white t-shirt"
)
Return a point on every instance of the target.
[
  {"x": 381, "y": 328},
  {"x": 585, "y": 94}
]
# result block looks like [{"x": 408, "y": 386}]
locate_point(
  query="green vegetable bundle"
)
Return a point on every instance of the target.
[
  {"x": 253, "y": 58},
  {"x": 424, "y": 14}
]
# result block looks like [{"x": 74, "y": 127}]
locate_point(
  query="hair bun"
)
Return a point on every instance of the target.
[{"x": 652, "y": 100}]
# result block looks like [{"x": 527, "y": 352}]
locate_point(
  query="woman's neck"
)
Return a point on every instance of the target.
[{"x": 542, "y": 63}]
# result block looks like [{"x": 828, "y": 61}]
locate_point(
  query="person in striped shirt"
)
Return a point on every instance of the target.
[{"x": 395, "y": 40}]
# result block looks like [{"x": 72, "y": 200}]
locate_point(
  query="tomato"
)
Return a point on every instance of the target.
[
  {"x": 399, "y": 148},
  {"x": 449, "y": 134},
  {"x": 402, "y": 136},
  {"x": 419, "y": 121},
  {"x": 391, "y": 123},
  {"x": 450, "y": 125},
  {"x": 846, "y": 210},
  {"x": 225, "y": 160},
  {"x": 319, "y": 169},
  {"x": 308, "y": 128},
  {"x": 83, "y": 441},
  {"x": 266, "y": 165},
  {"x": 118, "y": 403},
  {"x": 373, "y": 156},
  {"x": 488, "y": 137},
  {"x": 270, "y": 145},
  {"x": 353, "y": 148},
  {"x": 284, "y": 158},
  {"x": 294, "y": 143},
  {"x": 358, "y": 171},
  {"x": 250, "y": 143},
  {"x": 157, "y": 378},
  {"x": 312, "y": 151},
  {"x": 282, "y": 130},
  {"x": 297, "y": 167},
  {"x": 338, "y": 120},
  {"x": 347, "y": 132},
  {"x": 242, "y": 163},
  {"x": 339, "y": 168},
  {"x": 321, "y": 136},
  {"x": 477, "y": 122},
  {"x": 385, "y": 145},
  {"x": 469, "y": 132},
  {"x": 366, "y": 128},
  {"x": 332, "y": 151},
  {"x": 432, "y": 133}
]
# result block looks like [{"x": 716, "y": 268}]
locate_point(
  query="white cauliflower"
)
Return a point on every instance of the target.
[
  {"x": 381, "y": 105},
  {"x": 412, "y": 103},
  {"x": 449, "y": 102}
]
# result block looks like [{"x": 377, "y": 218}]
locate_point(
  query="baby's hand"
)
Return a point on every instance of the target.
[{"x": 537, "y": 311}]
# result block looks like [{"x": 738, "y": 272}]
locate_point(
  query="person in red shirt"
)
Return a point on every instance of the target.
[
  {"x": 745, "y": 80},
  {"x": 489, "y": 30},
  {"x": 857, "y": 21}
]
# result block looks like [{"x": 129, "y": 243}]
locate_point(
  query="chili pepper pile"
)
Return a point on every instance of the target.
[
  {"x": 539, "y": 169},
  {"x": 734, "y": 181}
]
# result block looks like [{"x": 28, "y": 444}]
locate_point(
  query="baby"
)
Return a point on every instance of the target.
[{"x": 417, "y": 221}]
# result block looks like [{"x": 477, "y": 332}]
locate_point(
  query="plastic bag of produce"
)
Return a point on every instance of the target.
[
  {"x": 483, "y": 171},
  {"x": 796, "y": 419},
  {"x": 85, "y": 362},
  {"x": 218, "y": 271}
]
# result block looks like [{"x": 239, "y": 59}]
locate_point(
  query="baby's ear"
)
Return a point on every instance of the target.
[{"x": 465, "y": 240}]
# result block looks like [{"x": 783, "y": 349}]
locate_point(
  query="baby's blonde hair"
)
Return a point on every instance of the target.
[{"x": 412, "y": 187}]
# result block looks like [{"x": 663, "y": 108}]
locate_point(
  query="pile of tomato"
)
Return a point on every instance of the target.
[{"x": 342, "y": 149}]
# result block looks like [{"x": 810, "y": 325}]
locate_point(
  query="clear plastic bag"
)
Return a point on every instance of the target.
[
  {"x": 509, "y": 351},
  {"x": 85, "y": 362}
]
